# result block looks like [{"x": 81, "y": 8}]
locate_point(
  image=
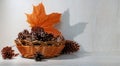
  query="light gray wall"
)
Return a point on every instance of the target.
[{"x": 94, "y": 24}]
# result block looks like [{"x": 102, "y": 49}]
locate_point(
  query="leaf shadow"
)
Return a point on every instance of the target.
[{"x": 69, "y": 32}]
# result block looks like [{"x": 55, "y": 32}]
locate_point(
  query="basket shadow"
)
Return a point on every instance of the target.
[{"x": 76, "y": 55}]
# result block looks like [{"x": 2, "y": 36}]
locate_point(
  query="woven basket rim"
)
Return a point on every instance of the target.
[{"x": 41, "y": 43}]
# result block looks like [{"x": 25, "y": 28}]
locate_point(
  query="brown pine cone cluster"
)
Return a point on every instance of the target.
[
  {"x": 37, "y": 34},
  {"x": 70, "y": 47},
  {"x": 8, "y": 53}
]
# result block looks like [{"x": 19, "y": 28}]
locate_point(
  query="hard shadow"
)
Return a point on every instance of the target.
[
  {"x": 69, "y": 32},
  {"x": 75, "y": 55}
]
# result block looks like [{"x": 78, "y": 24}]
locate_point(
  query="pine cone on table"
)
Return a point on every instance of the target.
[
  {"x": 8, "y": 53},
  {"x": 70, "y": 47}
]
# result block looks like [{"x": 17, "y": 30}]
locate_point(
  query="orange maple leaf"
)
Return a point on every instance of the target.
[{"x": 38, "y": 18}]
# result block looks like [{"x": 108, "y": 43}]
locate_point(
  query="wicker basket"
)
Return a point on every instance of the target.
[{"x": 48, "y": 51}]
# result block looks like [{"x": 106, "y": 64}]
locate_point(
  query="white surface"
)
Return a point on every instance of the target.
[{"x": 81, "y": 59}]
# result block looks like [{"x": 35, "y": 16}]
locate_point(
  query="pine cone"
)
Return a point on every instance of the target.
[
  {"x": 26, "y": 32},
  {"x": 70, "y": 47},
  {"x": 37, "y": 29},
  {"x": 8, "y": 53},
  {"x": 38, "y": 56}
]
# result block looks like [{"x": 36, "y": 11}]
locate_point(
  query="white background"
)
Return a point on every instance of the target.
[{"x": 94, "y": 24}]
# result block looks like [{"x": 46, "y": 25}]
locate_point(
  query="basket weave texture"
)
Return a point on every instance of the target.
[{"x": 48, "y": 49}]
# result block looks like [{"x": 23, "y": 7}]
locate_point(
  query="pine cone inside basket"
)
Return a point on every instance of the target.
[
  {"x": 26, "y": 38},
  {"x": 70, "y": 47},
  {"x": 38, "y": 33}
]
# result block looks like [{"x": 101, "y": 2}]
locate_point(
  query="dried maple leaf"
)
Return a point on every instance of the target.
[{"x": 40, "y": 19}]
